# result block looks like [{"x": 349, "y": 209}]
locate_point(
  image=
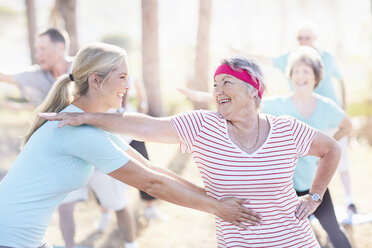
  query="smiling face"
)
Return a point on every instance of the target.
[
  {"x": 232, "y": 96},
  {"x": 303, "y": 78},
  {"x": 306, "y": 37},
  {"x": 48, "y": 53},
  {"x": 115, "y": 87}
]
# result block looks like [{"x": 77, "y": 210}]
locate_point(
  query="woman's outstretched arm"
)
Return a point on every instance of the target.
[
  {"x": 138, "y": 126},
  {"x": 165, "y": 187}
]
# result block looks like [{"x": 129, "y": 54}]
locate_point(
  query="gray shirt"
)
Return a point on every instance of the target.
[{"x": 35, "y": 83}]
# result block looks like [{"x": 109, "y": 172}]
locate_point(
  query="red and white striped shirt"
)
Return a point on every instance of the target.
[{"x": 264, "y": 177}]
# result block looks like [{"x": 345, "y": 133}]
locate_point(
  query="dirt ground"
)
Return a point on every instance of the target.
[{"x": 185, "y": 228}]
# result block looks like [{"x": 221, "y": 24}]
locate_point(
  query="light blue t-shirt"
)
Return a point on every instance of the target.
[
  {"x": 325, "y": 87},
  {"x": 326, "y": 115},
  {"x": 54, "y": 162}
]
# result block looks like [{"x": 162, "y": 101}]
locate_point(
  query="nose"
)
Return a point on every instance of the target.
[{"x": 126, "y": 84}]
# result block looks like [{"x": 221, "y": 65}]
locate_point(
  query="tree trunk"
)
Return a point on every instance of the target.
[
  {"x": 201, "y": 79},
  {"x": 150, "y": 56},
  {"x": 66, "y": 10},
  {"x": 370, "y": 71},
  {"x": 31, "y": 25}
]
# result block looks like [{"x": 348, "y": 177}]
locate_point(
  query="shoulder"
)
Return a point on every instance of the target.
[
  {"x": 282, "y": 119},
  {"x": 85, "y": 130},
  {"x": 326, "y": 102},
  {"x": 275, "y": 105},
  {"x": 275, "y": 99},
  {"x": 326, "y": 56}
]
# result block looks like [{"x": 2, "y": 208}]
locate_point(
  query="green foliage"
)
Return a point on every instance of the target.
[
  {"x": 363, "y": 108},
  {"x": 6, "y": 11}
]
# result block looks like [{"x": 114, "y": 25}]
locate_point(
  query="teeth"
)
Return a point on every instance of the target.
[{"x": 223, "y": 101}]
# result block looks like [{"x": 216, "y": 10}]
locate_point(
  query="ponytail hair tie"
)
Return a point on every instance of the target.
[{"x": 71, "y": 77}]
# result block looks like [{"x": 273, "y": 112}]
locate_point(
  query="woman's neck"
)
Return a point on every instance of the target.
[
  {"x": 303, "y": 98},
  {"x": 305, "y": 104},
  {"x": 89, "y": 103},
  {"x": 245, "y": 121}
]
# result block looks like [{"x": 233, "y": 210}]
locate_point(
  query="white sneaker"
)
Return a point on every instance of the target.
[
  {"x": 152, "y": 213},
  {"x": 104, "y": 221}
]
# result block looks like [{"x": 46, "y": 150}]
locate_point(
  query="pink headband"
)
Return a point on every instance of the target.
[{"x": 242, "y": 75}]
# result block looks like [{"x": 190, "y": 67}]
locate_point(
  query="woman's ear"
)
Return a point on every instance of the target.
[{"x": 94, "y": 81}]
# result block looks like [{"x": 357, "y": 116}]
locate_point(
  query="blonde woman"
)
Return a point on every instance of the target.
[{"x": 54, "y": 161}]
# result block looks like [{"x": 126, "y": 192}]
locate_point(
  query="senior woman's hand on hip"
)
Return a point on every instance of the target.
[
  {"x": 231, "y": 209},
  {"x": 71, "y": 119},
  {"x": 306, "y": 206}
]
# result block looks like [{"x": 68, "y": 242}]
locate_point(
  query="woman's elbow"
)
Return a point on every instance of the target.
[
  {"x": 153, "y": 186},
  {"x": 335, "y": 150}
]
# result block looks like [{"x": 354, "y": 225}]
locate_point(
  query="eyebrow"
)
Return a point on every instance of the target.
[{"x": 227, "y": 76}]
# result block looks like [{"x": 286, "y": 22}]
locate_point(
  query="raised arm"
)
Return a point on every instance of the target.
[
  {"x": 7, "y": 78},
  {"x": 197, "y": 95},
  {"x": 343, "y": 93},
  {"x": 344, "y": 128},
  {"x": 168, "y": 187},
  {"x": 138, "y": 126},
  {"x": 328, "y": 151}
]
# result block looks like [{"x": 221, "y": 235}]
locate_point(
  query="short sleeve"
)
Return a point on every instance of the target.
[
  {"x": 335, "y": 113},
  {"x": 96, "y": 147},
  {"x": 119, "y": 141},
  {"x": 303, "y": 136},
  {"x": 281, "y": 62},
  {"x": 34, "y": 84},
  {"x": 335, "y": 69},
  {"x": 189, "y": 126},
  {"x": 272, "y": 106}
]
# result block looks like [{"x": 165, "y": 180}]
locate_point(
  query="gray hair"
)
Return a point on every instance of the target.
[
  {"x": 308, "y": 56},
  {"x": 254, "y": 70}
]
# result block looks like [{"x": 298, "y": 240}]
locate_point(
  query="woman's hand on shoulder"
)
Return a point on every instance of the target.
[{"x": 64, "y": 118}]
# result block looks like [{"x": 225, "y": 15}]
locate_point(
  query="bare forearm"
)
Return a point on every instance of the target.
[
  {"x": 178, "y": 178},
  {"x": 138, "y": 126},
  {"x": 326, "y": 169},
  {"x": 165, "y": 187},
  {"x": 7, "y": 78},
  {"x": 344, "y": 128},
  {"x": 340, "y": 134},
  {"x": 343, "y": 94},
  {"x": 175, "y": 191}
]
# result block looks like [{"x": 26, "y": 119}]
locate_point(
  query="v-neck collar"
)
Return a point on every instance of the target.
[{"x": 259, "y": 148}]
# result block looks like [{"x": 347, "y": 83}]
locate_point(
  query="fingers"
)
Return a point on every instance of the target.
[
  {"x": 240, "y": 224},
  {"x": 302, "y": 212},
  {"x": 62, "y": 123},
  {"x": 49, "y": 116}
]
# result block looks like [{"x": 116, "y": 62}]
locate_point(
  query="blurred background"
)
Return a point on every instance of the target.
[
  {"x": 220, "y": 27},
  {"x": 173, "y": 44}
]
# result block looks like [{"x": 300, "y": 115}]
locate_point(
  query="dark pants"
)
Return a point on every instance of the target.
[
  {"x": 325, "y": 213},
  {"x": 140, "y": 147}
]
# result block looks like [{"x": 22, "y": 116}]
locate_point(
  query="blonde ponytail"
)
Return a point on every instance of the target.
[
  {"x": 97, "y": 58},
  {"x": 59, "y": 97}
]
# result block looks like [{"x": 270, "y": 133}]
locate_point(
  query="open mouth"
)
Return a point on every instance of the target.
[
  {"x": 121, "y": 95},
  {"x": 223, "y": 101}
]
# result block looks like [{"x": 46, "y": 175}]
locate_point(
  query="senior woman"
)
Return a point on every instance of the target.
[
  {"x": 241, "y": 153},
  {"x": 305, "y": 69}
]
